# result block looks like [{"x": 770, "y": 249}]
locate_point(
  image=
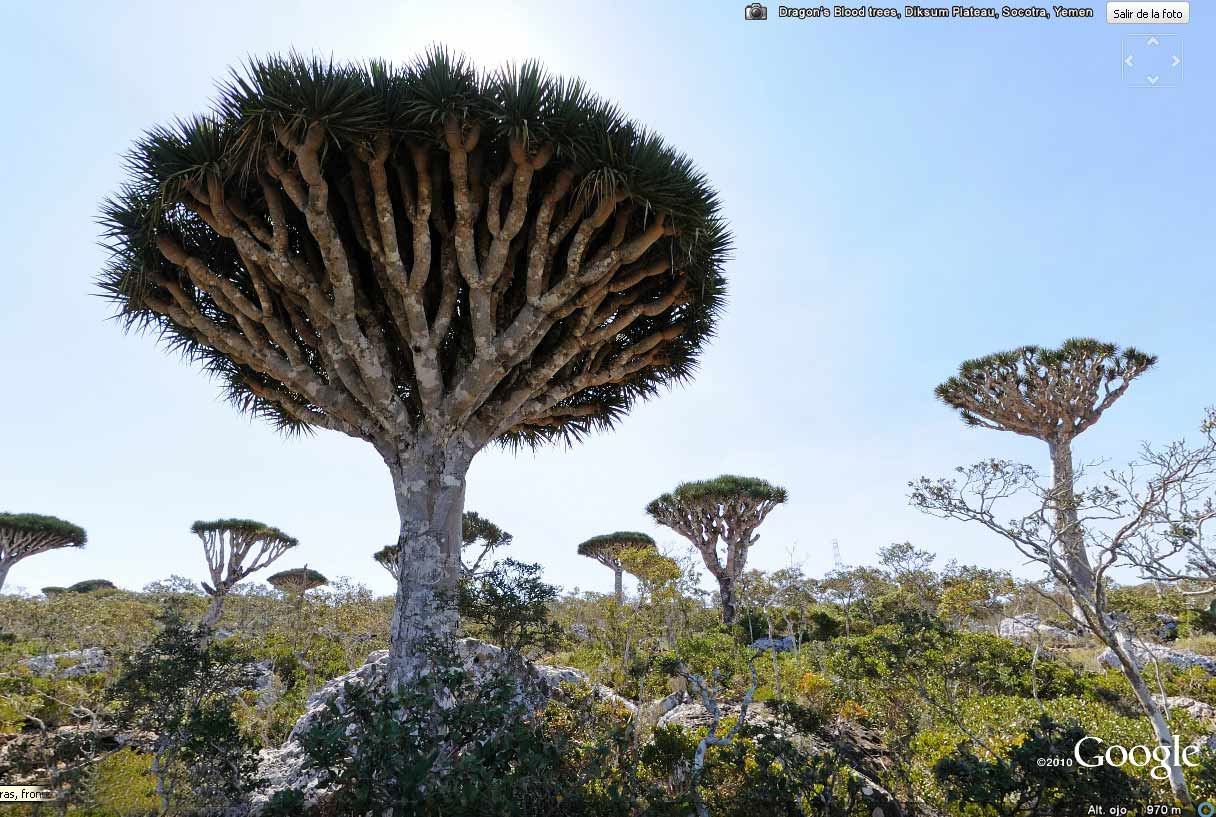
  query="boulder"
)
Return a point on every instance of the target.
[
  {"x": 1143, "y": 653},
  {"x": 783, "y": 644},
  {"x": 1198, "y": 710},
  {"x": 283, "y": 767},
  {"x": 72, "y": 664},
  {"x": 1029, "y": 627},
  {"x": 1167, "y": 627}
]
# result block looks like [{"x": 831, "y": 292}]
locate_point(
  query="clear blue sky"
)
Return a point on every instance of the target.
[{"x": 904, "y": 195}]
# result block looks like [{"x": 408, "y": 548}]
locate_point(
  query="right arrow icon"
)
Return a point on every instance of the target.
[{"x": 1176, "y": 62}]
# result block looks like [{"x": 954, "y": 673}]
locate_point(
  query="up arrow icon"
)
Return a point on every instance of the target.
[{"x": 1153, "y": 41}]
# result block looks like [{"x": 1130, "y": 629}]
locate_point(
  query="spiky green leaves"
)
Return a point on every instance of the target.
[
  {"x": 477, "y": 529},
  {"x": 1050, "y": 394},
  {"x": 607, "y": 548},
  {"x": 246, "y": 528},
  {"x": 385, "y": 250},
  {"x": 717, "y": 491},
  {"x": 297, "y": 581},
  {"x": 92, "y": 586},
  {"x": 50, "y": 527}
]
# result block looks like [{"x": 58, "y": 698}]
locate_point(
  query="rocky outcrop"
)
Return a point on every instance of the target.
[
  {"x": 72, "y": 664},
  {"x": 783, "y": 644},
  {"x": 1030, "y": 628},
  {"x": 1198, "y": 710},
  {"x": 1143, "y": 653},
  {"x": 283, "y": 767},
  {"x": 1167, "y": 627}
]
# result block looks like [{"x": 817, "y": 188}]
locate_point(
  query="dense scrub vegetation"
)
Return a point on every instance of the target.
[{"x": 889, "y": 687}]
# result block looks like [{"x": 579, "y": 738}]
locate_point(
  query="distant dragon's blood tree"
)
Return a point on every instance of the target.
[
  {"x": 28, "y": 534},
  {"x": 428, "y": 258},
  {"x": 476, "y": 531},
  {"x": 607, "y": 550},
  {"x": 725, "y": 511},
  {"x": 1053, "y": 395},
  {"x": 297, "y": 581},
  {"x": 389, "y": 558},
  {"x": 235, "y": 548}
]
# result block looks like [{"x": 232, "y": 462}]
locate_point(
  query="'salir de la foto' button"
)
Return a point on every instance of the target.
[{"x": 1154, "y": 13}]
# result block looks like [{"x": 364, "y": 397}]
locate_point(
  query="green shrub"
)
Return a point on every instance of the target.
[{"x": 1022, "y": 784}]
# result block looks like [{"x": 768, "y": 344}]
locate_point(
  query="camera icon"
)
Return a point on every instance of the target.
[{"x": 755, "y": 11}]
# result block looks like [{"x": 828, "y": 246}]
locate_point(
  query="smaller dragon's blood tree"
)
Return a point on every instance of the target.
[
  {"x": 235, "y": 548},
  {"x": 476, "y": 531},
  {"x": 726, "y": 510},
  {"x": 27, "y": 534},
  {"x": 389, "y": 558},
  {"x": 92, "y": 586},
  {"x": 608, "y": 548},
  {"x": 297, "y": 581},
  {"x": 479, "y": 531}
]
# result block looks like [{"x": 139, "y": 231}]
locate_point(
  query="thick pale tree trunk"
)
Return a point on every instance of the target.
[
  {"x": 4, "y": 566},
  {"x": 429, "y": 483},
  {"x": 620, "y": 585},
  {"x": 726, "y": 589},
  {"x": 214, "y": 611},
  {"x": 1087, "y": 608}
]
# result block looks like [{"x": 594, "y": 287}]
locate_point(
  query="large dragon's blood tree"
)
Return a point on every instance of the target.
[
  {"x": 719, "y": 516},
  {"x": 428, "y": 258},
  {"x": 1055, "y": 395},
  {"x": 28, "y": 534},
  {"x": 236, "y": 548},
  {"x": 608, "y": 548}
]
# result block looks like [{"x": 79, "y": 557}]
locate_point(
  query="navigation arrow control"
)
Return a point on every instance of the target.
[{"x": 1152, "y": 61}]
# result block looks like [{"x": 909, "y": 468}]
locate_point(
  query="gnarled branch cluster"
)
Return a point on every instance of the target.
[
  {"x": 1049, "y": 394},
  {"x": 397, "y": 252}
]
